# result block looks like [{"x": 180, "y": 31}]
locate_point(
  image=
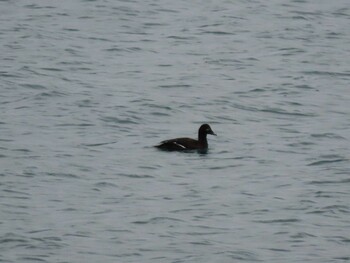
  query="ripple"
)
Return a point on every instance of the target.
[
  {"x": 105, "y": 184},
  {"x": 116, "y": 120},
  {"x": 328, "y": 135},
  {"x": 323, "y": 162},
  {"x": 156, "y": 220},
  {"x": 75, "y": 124},
  {"x": 98, "y": 144},
  {"x": 136, "y": 176},
  {"x": 53, "y": 69},
  {"x": 345, "y": 258},
  {"x": 12, "y": 238},
  {"x": 33, "y": 259},
  {"x": 305, "y": 87},
  {"x": 279, "y": 249},
  {"x": 342, "y": 181},
  {"x": 241, "y": 255},
  {"x": 217, "y": 32},
  {"x": 174, "y": 86},
  {"x": 44, "y": 95},
  {"x": 22, "y": 150},
  {"x": 278, "y": 221},
  {"x": 284, "y": 112},
  {"x": 302, "y": 235},
  {"x": 33, "y": 86},
  {"x": 327, "y": 73},
  {"x": 63, "y": 175}
]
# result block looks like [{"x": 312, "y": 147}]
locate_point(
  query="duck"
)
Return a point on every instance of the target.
[{"x": 183, "y": 144}]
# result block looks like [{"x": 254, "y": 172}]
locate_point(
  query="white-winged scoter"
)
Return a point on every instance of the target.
[{"x": 183, "y": 144}]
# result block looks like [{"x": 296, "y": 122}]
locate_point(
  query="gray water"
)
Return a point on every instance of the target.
[{"x": 88, "y": 87}]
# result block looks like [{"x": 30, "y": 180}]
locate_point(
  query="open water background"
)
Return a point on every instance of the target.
[{"x": 87, "y": 87}]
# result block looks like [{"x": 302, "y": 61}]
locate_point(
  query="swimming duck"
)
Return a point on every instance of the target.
[{"x": 183, "y": 144}]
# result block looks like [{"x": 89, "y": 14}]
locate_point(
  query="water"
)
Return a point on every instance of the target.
[{"x": 88, "y": 87}]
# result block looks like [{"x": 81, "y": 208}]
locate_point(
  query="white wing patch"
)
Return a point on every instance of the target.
[{"x": 178, "y": 144}]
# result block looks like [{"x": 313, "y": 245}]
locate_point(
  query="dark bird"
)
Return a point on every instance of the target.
[{"x": 183, "y": 144}]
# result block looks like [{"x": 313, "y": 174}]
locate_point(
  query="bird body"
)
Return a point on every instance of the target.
[{"x": 182, "y": 144}]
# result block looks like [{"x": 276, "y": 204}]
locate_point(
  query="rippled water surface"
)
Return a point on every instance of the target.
[{"x": 88, "y": 87}]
